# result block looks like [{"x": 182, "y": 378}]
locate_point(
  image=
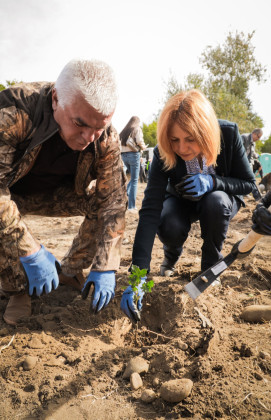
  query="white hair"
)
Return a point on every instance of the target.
[{"x": 93, "y": 79}]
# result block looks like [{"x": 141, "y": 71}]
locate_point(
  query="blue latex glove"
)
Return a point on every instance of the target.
[
  {"x": 104, "y": 288},
  {"x": 42, "y": 270},
  {"x": 192, "y": 187},
  {"x": 127, "y": 303}
]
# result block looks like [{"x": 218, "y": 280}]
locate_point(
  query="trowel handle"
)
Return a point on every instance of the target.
[{"x": 250, "y": 240}]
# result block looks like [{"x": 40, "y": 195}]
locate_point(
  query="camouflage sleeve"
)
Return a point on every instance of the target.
[
  {"x": 111, "y": 200},
  {"x": 15, "y": 238}
]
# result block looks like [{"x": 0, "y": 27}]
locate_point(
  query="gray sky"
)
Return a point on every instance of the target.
[{"x": 143, "y": 40}]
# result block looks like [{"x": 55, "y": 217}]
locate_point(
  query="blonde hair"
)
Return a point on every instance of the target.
[{"x": 194, "y": 113}]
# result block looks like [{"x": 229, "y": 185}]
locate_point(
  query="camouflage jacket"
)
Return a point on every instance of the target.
[{"x": 26, "y": 121}]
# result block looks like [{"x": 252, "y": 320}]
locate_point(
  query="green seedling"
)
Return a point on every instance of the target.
[{"x": 135, "y": 279}]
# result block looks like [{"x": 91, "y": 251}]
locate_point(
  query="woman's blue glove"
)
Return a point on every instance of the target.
[
  {"x": 192, "y": 187},
  {"x": 104, "y": 288},
  {"x": 42, "y": 270},
  {"x": 127, "y": 303}
]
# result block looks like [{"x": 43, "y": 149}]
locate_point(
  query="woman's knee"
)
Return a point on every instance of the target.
[
  {"x": 216, "y": 204},
  {"x": 172, "y": 230}
]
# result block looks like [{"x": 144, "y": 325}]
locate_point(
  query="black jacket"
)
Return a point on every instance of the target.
[{"x": 233, "y": 175}]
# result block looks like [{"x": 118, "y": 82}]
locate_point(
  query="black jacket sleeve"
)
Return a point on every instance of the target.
[
  {"x": 233, "y": 172},
  {"x": 150, "y": 213}
]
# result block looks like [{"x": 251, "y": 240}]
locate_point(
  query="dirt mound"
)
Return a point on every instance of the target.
[{"x": 78, "y": 358}]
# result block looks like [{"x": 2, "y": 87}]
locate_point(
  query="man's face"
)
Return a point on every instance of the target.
[
  {"x": 256, "y": 137},
  {"x": 79, "y": 123}
]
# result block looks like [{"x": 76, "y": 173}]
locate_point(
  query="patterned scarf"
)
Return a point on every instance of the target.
[{"x": 193, "y": 167}]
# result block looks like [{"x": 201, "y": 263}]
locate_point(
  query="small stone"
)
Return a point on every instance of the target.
[
  {"x": 176, "y": 390},
  {"x": 137, "y": 364},
  {"x": 45, "y": 339},
  {"x": 35, "y": 343},
  {"x": 156, "y": 381},
  {"x": 258, "y": 376},
  {"x": 29, "y": 362},
  {"x": 183, "y": 346},
  {"x": 148, "y": 396},
  {"x": 135, "y": 381},
  {"x": 256, "y": 313}
]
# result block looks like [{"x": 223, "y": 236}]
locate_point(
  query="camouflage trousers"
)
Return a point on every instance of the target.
[{"x": 62, "y": 202}]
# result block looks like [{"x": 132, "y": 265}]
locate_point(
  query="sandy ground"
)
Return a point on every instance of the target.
[{"x": 78, "y": 358}]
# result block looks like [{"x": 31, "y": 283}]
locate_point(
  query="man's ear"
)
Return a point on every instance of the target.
[{"x": 54, "y": 99}]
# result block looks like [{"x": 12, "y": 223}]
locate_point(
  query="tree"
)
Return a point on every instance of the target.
[
  {"x": 230, "y": 69},
  {"x": 8, "y": 83},
  {"x": 266, "y": 148},
  {"x": 172, "y": 86},
  {"x": 149, "y": 133},
  {"x": 233, "y": 65}
]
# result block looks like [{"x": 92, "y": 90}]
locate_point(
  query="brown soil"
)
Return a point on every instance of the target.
[{"x": 81, "y": 357}]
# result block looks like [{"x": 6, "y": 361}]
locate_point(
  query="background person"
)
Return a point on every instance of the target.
[
  {"x": 249, "y": 140},
  {"x": 199, "y": 171},
  {"x": 142, "y": 172},
  {"x": 132, "y": 143},
  {"x": 257, "y": 168},
  {"x": 60, "y": 157}
]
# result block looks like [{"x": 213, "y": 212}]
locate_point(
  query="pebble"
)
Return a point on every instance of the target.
[
  {"x": 257, "y": 313},
  {"x": 183, "y": 346},
  {"x": 135, "y": 381},
  {"x": 148, "y": 396},
  {"x": 176, "y": 390},
  {"x": 30, "y": 362},
  {"x": 156, "y": 381},
  {"x": 136, "y": 364},
  {"x": 35, "y": 343}
]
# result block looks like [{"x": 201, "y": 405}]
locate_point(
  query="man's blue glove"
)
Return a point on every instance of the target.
[
  {"x": 42, "y": 270},
  {"x": 192, "y": 187},
  {"x": 104, "y": 288},
  {"x": 127, "y": 303}
]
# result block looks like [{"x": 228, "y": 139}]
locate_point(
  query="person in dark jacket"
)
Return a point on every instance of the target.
[{"x": 199, "y": 172}]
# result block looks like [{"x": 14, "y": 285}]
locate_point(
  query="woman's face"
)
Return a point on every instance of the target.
[{"x": 183, "y": 144}]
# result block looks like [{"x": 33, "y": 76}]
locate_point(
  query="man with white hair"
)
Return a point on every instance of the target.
[{"x": 60, "y": 157}]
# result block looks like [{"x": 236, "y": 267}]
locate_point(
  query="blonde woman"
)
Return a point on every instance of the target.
[
  {"x": 199, "y": 172},
  {"x": 132, "y": 142}
]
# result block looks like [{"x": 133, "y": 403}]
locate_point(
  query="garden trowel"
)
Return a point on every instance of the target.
[{"x": 239, "y": 250}]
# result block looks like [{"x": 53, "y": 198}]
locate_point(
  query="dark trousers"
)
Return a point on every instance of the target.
[{"x": 214, "y": 212}]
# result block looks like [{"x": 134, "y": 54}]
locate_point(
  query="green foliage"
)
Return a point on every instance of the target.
[
  {"x": 8, "y": 83},
  {"x": 233, "y": 65},
  {"x": 172, "y": 86},
  {"x": 149, "y": 133},
  {"x": 266, "y": 148},
  {"x": 135, "y": 279},
  {"x": 230, "y": 69}
]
